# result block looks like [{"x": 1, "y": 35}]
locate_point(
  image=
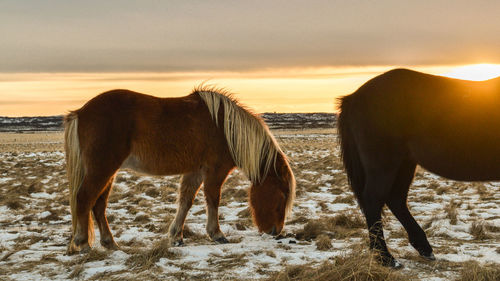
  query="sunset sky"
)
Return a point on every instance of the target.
[{"x": 284, "y": 56}]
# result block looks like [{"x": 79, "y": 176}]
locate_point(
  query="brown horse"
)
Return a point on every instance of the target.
[
  {"x": 202, "y": 136},
  {"x": 403, "y": 118}
]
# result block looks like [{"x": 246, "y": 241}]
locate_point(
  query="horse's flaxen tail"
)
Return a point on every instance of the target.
[
  {"x": 75, "y": 169},
  {"x": 349, "y": 150}
]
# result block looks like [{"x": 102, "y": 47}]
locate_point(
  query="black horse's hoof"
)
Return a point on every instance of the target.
[
  {"x": 178, "y": 243},
  {"x": 429, "y": 257},
  {"x": 392, "y": 263},
  {"x": 396, "y": 265},
  {"x": 221, "y": 240}
]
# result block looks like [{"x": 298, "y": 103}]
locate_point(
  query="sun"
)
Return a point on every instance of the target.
[{"x": 475, "y": 72}]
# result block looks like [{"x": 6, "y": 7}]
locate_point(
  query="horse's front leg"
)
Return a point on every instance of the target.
[
  {"x": 190, "y": 184},
  {"x": 212, "y": 189}
]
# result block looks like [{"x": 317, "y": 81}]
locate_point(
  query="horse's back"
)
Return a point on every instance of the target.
[
  {"x": 404, "y": 103},
  {"x": 150, "y": 134},
  {"x": 449, "y": 126}
]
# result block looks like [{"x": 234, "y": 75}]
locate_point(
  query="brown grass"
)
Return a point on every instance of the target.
[
  {"x": 227, "y": 261},
  {"x": 473, "y": 271},
  {"x": 344, "y": 199},
  {"x": 14, "y": 203},
  {"x": 478, "y": 230},
  {"x": 192, "y": 235},
  {"x": 31, "y": 142},
  {"x": 79, "y": 262},
  {"x": 76, "y": 271},
  {"x": 451, "y": 212},
  {"x": 339, "y": 226},
  {"x": 144, "y": 218},
  {"x": 317, "y": 157},
  {"x": 359, "y": 265},
  {"x": 145, "y": 259},
  {"x": 323, "y": 243},
  {"x": 440, "y": 189},
  {"x": 492, "y": 228}
]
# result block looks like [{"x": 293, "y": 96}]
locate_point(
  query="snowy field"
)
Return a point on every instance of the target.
[{"x": 462, "y": 220}]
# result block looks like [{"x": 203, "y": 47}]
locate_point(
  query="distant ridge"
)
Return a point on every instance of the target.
[
  {"x": 300, "y": 120},
  {"x": 31, "y": 124},
  {"x": 274, "y": 120}
]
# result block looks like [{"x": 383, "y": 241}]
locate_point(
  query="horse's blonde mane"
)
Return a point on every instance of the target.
[{"x": 251, "y": 145}]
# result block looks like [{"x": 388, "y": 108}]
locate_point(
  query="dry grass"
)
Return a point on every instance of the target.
[
  {"x": 473, "y": 271},
  {"x": 478, "y": 230},
  {"x": 145, "y": 259},
  {"x": 141, "y": 207},
  {"x": 78, "y": 264},
  {"x": 339, "y": 227},
  {"x": 440, "y": 189},
  {"x": 359, "y": 265},
  {"x": 323, "y": 243},
  {"x": 30, "y": 142},
  {"x": 451, "y": 212},
  {"x": 344, "y": 199},
  {"x": 224, "y": 262},
  {"x": 144, "y": 218}
]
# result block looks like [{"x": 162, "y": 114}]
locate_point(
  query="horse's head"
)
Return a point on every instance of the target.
[{"x": 271, "y": 199}]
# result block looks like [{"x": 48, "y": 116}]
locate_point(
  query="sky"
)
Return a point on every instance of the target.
[{"x": 300, "y": 50}]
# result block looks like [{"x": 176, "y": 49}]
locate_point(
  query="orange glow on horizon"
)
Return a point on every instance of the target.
[{"x": 268, "y": 90}]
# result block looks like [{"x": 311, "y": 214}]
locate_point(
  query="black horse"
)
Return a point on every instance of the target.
[{"x": 403, "y": 118}]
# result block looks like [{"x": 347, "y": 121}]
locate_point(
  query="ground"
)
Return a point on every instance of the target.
[{"x": 462, "y": 220}]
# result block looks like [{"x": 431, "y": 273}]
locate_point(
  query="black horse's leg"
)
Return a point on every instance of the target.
[
  {"x": 397, "y": 203},
  {"x": 381, "y": 157},
  {"x": 374, "y": 196}
]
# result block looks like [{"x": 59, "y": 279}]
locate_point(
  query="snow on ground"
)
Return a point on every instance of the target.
[{"x": 462, "y": 221}]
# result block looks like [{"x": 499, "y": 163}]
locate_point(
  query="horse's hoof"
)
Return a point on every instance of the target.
[
  {"x": 71, "y": 250},
  {"x": 396, "y": 265},
  {"x": 110, "y": 245},
  {"x": 429, "y": 257},
  {"x": 393, "y": 263},
  {"x": 74, "y": 249},
  {"x": 85, "y": 249},
  {"x": 178, "y": 243},
  {"x": 221, "y": 240}
]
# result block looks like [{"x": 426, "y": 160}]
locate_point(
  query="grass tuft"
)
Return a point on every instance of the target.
[
  {"x": 339, "y": 226},
  {"x": 323, "y": 243},
  {"x": 478, "y": 230},
  {"x": 14, "y": 204},
  {"x": 452, "y": 213},
  {"x": 359, "y": 265},
  {"x": 146, "y": 259},
  {"x": 473, "y": 271}
]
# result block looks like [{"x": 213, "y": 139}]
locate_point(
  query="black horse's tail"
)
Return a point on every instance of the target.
[{"x": 349, "y": 151}]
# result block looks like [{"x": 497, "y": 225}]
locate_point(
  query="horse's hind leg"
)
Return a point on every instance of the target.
[
  {"x": 99, "y": 210},
  {"x": 190, "y": 184},
  {"x": 212, "y": 189},
  {"x": 92, "y": 187},
  {"x": 397, "y": 203},
  {"x": 381, "y": 158},
  {"x": 374, "y": 197}
]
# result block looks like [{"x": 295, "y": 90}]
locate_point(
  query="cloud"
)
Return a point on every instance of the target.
[{"x": 228, "y": 35}]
